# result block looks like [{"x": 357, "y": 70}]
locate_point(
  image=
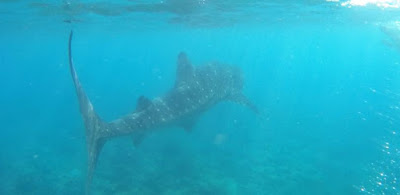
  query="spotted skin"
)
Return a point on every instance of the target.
[
  {"x": 197, "y": 88},
  {"x": 209, "y": 85}
]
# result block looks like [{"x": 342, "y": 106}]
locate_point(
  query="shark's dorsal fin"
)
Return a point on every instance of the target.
[
  {"x": 142, "y": 103},
  {"x": 184, "y": 69}
]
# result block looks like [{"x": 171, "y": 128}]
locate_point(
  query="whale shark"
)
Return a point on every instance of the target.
[
  {"x": 196, "y": 90},
  {"x": 392, "y": 31}
]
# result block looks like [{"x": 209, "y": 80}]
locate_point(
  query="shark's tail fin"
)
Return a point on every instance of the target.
[{"x": 95, "y": 127}]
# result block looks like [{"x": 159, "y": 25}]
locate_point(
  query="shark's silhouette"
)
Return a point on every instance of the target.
[{"x": 196, "y": 89}]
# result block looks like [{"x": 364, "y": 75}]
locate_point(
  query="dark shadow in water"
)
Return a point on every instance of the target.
[{"x": 392, "y": 30}]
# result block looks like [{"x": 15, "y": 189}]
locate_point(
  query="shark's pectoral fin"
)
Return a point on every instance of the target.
[
  {"x": 143, "y": 103},
  {"x": 188, "y": 125},
  {"x": 137, "y": 139},
  {"x": 184, "y": 69},
  {"x": 243, "y": 100}
]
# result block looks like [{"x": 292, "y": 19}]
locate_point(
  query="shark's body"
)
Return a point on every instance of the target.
[
  {"x": 196, "y": 90},
  {"x": 392, "y": 30}
]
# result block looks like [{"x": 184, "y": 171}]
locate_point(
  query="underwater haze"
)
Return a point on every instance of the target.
[{"x": 324, "y": 75}]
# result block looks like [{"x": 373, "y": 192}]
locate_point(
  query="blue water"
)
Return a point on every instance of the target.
[{"x": 324, "y": 76}]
